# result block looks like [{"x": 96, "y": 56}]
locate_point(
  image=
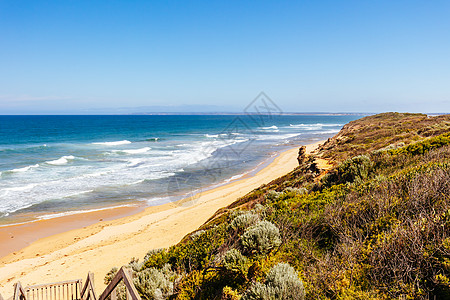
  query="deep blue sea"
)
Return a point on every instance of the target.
[{"x": 54, "y": 165}]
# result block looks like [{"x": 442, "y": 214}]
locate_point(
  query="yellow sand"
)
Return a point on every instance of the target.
[{"x": 99, "y": 247}]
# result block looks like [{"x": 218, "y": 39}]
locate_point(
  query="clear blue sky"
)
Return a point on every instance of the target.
[{"x": 106, "y": 56}]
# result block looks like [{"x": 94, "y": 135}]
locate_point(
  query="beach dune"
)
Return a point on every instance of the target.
[{"x": 99, "y": 247}]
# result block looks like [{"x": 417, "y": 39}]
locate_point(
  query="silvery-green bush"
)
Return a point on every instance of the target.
[
  {"x": 282, "y": 283},
  {"x": 261, "y": 237},
  {"x": 241, "y": 222},
  {"x": 272, "y": 195},
  {"x": 135, "y": 265},
  {"x": 259, "y": 209},
  {"x": 197, "y": 234},
  {"x": 298, "y": 191},
  {"x": 155, "y": 284},
  {"x": 233, "y": 259},
  {"x": 258, "y": 291}
]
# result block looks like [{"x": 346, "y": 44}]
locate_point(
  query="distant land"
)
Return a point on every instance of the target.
[{"x": 242, "y": 113}]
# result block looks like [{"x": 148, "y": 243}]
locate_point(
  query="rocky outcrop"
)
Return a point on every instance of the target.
[{"x": 301, "y": 158}]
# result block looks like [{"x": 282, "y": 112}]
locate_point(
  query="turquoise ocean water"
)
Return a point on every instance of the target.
[{"x": 56, "y": 165}]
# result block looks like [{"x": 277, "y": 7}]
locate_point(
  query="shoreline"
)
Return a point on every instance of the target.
[
  {"x": 127, "y": 232},
  {"x": 17, "y": 236}
]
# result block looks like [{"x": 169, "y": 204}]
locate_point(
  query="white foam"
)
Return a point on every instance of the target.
[
  {"x": 332, "y": 125},
  {"x": 24, "y": 169},
  {"x": 61, "y": 161},
  {"x": 76, "y": 212},
  {"x": 270, "y": 127},
  {"x": 212, "y": 135},
  {"x": 91, "y": 175},
  {"x": 158, "y": 200},
  {"x": 329, "y": 131},
  {"x": 307, "y": 126},
  {"x": 137, "y": 182},
  {"x": 104, "y": 174},
  {"x": 7, "y": 191},
  {"x": 315, "y": 126},
  {"x": 124, "y": 142},
  {"x": 277, "y": 136},
  {"x": 20, "y": 188},
  {"x": 234, "y": 177},
  {"x": 134, "y": 162},
  {"x": 134, "y": 151}
]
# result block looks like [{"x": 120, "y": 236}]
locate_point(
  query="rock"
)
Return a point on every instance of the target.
[{"x": 301, "y": 158}]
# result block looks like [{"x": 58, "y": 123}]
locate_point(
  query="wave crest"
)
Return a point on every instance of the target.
[
  {"x": 270, "y": 127},
  {"x": 61, "y": 161},
  {"x": 124, "y": 142},
  {"x": 24, "y": 169}
]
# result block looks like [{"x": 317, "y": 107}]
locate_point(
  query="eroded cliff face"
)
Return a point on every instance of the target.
[{"x": 301, "y": 158}]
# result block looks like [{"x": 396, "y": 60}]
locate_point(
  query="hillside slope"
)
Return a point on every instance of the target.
[{"x": 375, "y": 226}]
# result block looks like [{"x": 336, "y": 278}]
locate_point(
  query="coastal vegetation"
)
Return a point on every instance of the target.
[{"x": 375, "y": 225}]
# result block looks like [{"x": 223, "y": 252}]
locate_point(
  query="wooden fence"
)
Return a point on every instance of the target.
[
  {"x": 65, "y": 290},
  {"x": 71, "y": 289}
]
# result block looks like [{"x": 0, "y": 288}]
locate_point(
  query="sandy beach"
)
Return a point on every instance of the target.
[{"x": 112, "y": 237}]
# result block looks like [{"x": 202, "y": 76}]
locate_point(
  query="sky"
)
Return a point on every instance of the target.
[{"x": 73, "y": 57}]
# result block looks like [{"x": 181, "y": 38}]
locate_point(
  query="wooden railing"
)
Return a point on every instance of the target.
[
  {"x": 71, "y": 289},
  {"x": 64, "y": 290},
  {"x": 88, "y": 291},
  {"x": 124, "y": 275}
]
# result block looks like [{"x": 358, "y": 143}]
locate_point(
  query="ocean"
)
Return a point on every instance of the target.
[{"x": 57, "y": 165}]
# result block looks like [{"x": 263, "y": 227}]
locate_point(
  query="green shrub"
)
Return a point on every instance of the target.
[
  {"x": 234, "y": 260},
  {"x": 258, "y": 291},
  {"x": 110, "y": 275},
  {"x": 197, "y": 234},
  {"x": 295, "y": 191},
  {"x": 243, "y": 221},
  {"x": 135, "y": 265},
  {"x": 261, "y": 237},
  {"x": 259, "y": 209},
  {"x": 152, "y": 283},
  {"x": 272, "y": 195},
  {"x": 354, "y": 169},
  {"x": 196, "y": 254},
  {"x": 229, "y": 294},
  {"x": 282, "y": 282},
  {"x": 424, "y": 146},
  {"x": 156, "y": 258}
]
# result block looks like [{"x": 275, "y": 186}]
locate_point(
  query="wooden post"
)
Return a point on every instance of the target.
[
  {"x": 88, "y": 291},
  {"x": 19, "y": 293},
  {"x": 128, "y": 272},
  {"x": 123, "y": 274}
]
